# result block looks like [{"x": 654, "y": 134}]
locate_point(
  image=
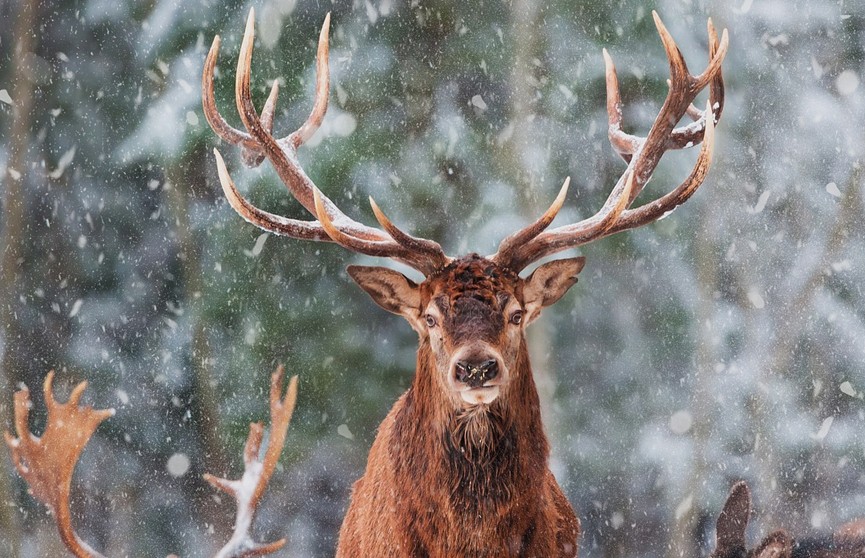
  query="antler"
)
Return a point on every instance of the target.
[
  {"x": 257, "y": 143},
  {"x": 642, "y": 155},
  {"x": 247, "y": 490},
  {"x": 47, "y": 462}
]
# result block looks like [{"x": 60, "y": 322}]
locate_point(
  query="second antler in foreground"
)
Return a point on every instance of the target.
[
  {"x": 46, "y": 463},
  {"x": 460, "y": 465}
]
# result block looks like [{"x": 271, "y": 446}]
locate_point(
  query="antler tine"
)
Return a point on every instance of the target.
[
  {"x": 277, "y": 224},
  {"x": 299, "y": 185},
  {"x": 251, "y": 154},
  {"x": 624, "y": 144},
  {"x": 46, "y": 463},
  {"x": 258, "y": 141},
  {"x": 599, "y": 224},
  {"x": 322, "y": 88},
  {"x": 208, "y": 101},
  {"x": 681, "y": 137},
  {"x": 426, "y": 263},
  {"x": 509, "y": 245},
  {"x": 429, "y": 248},
  {"x": 642, "y": 154},
  {"x": 247, "y": 490}
]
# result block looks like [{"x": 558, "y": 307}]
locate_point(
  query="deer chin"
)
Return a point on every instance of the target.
[{"x": 483, "y": 395}]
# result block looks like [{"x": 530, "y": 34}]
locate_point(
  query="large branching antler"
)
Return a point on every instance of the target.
[
  {"x": 248, "y": 489},
  {"x": 258, "y": 143},
  {"x": 642, "y": 155},
  {"x": 47, "y": 462},
  {"x": 519, "y": 249}
]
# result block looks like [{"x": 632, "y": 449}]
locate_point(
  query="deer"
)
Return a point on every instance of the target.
[
  {"x": 47, "y": 462},
  {"x": 846, "y": 542},
  {"x": 460, "y": 464}
]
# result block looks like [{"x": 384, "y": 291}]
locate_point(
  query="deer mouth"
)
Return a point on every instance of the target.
[{"x": 483, "y": 395}]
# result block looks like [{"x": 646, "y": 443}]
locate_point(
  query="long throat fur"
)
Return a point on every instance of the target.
[{"x": 484, "y": 454}]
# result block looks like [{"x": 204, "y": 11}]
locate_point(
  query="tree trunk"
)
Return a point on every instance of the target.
[{"x": 13, "y": 241}]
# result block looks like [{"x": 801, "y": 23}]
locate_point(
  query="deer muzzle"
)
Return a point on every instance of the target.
[{"x": 477, "y": 374}]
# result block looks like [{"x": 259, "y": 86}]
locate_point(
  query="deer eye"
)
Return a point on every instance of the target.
[
  {"x": 430, "y": 320},
  {"x": 517, "y": 317}
]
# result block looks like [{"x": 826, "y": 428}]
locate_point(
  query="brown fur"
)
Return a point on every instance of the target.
[
  {"x": 444, "y": 480},
  {"x": 733, "y": 521}
]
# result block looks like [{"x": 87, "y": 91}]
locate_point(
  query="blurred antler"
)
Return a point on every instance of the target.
[
  {"x": 47, "y": 462},
  {"x": 248, "y": 489}
]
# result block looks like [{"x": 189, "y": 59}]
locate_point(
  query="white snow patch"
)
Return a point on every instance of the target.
[
  {"x": 5, "y": 98},
  {"x": 818, "y": 519},
  {"x": 832, "y": 188},
  {"x": 371, "y": 12},
  {"x": 478, "y": 101},
  {"x": 341, "y": 95},
  {"x": 565, "y": 90},
  {"x": 848, "y": 389},
  {"x": 816, "y": 67},
  {"x": 824, "y": 429},
  {"x": 191, "y": 118},
  {"x": 755, "y": 298},
  {"x": 258, "y": 247},
  {"x": 782, "y": 39},
  {"x": 344, "y": 124},
  {"x": 843, "y": 265},
  {"x": 122, "y": 396},
  {"x": 681, "y": 421},
  {"x": 684, "y": 506},
  {"x": 64, "y": 161},
  {"x": 343, "y": 431},
  {"x": 177, "y": 465},
  {"x": 761, "y": 203},
  {"x": 76, "y": 307},
  {"x": 847, "y": 82}
]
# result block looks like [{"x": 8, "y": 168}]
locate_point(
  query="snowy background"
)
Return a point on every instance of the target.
[{"x": 725, "y": 342}]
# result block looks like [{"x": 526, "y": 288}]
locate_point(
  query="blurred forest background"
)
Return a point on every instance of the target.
[{"x": 725, "y": 342}]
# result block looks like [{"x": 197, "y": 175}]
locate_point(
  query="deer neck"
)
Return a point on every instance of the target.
[{"x": 483, "y": 454}]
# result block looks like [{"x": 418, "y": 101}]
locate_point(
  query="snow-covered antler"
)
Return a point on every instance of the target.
[{"x": 247, "y": 490}]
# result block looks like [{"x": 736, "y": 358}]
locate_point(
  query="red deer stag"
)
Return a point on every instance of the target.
[
  {"x": 847, "y": 542},
  {"x": 460, "y": 465},
  {"x": 47, "y": 462}
]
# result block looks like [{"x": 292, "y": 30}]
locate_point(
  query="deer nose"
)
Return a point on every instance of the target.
[{"x": 476, "y": 374}]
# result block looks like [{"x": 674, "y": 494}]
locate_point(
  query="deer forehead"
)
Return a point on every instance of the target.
[{"x": 469, "y": 281}]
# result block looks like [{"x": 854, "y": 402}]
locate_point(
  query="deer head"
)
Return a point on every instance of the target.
[{"x": 471, "y": 312}]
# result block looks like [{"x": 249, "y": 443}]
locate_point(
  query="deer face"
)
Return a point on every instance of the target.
[{"x": 473, "y": 315}]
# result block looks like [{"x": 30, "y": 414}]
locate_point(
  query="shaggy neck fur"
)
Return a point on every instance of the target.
[{"x": 483, "y": 455}]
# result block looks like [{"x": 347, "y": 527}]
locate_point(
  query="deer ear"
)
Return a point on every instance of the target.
[
  {"x": 775, "y": 545},
  {"x": 733, "y": 521},
  {"x": 390, "y": 289},
  {"x": 549, "y": 283}
]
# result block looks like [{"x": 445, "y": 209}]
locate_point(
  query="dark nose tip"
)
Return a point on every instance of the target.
[{"x": 476, "y": 374}]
